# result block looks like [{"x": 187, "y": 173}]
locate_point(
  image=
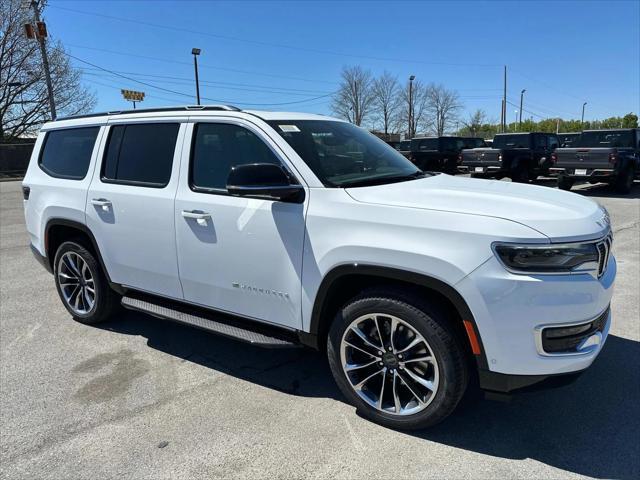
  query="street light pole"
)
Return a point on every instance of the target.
[
  {"x": 41, "y": 30},
  {"x": 411, "y": 79},
  {"x": 521, "y": 100},
  {"x": 583, "y": 105},
  {"x": 196, "y": 52}
]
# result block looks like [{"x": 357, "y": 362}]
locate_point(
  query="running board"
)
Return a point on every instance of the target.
[{"x": 225, "y": 325}]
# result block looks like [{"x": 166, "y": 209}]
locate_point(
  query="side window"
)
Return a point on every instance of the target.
[
  {"x": 219, "y": 146},
  {"x": 553, "y": 142},
  {"x": 540, "y": 141},
  {"x": 140, "y": 154},
  {"x": 67, "y": 153}
]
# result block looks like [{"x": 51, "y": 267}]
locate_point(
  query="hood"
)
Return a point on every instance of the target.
[{"x": 559, "y": 215}]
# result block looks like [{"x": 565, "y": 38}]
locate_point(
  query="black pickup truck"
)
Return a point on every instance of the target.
[
  {"x": 611, "y": 156},
  {"x": 519, "y": 156},
  {"x": 441, "y": 154}
]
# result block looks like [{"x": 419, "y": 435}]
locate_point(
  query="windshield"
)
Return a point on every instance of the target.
[
  {"x": 343, "y": 155},
  {"x": 605, "y": 139},
  {"x": 512, "y": 141},
  {"x": 405, "y": 145}
]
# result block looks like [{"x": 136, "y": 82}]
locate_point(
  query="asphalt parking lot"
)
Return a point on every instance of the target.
[{"x": 139, "y": 397}]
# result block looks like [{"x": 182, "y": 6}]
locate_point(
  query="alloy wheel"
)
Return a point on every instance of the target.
[
  {"x": 389, "y": 364},
  {"x": 76, "y": 283}
]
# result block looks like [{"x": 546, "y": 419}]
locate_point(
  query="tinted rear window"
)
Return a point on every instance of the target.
[
  {"x": 512, "y": 141},
  {"x": 67, "y": 153},
  {"x": 605, "y": 139},
  {"x": 140, "y": 154}
]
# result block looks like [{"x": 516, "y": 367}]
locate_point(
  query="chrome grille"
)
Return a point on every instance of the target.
[{"x": 604, "y": 250}]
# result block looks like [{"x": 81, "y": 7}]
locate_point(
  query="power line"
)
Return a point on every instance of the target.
[
  {"x": 178, "y": 62},
  {"x": 189, "y": 95},
  {"x": 268, "y": 44},
  {"x": 189, "y": 81}
]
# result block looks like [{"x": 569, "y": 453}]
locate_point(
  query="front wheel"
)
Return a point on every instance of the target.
[
  {"x": 397, "y": 360},
  {"x": 81, "y": 284}
]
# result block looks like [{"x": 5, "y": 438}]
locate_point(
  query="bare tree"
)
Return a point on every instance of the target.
[
  {"x": 386, "y": 100},
  {"x": 442, "y": 107},
  {"x": 354, "y": 99},
  {"x": 475, "y": 122},
  {"x": 24, "y": 105},
  {"x": 416, "y": 103}
]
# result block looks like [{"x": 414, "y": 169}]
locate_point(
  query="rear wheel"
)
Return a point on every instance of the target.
[
  {"x": 81, "y": 284},
  {"x": 520, "y": 175},
  {"x": 397, "y": 360},
  {"x": 624, "y": 182},
  {"x": 565, "y": 183}
]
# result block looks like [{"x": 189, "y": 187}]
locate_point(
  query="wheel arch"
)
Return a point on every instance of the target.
[
  {"x": 58, "y": 230},
  {"x": 345, "y": 281}
]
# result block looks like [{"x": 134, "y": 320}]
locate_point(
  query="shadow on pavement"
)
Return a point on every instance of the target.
[{"x": 591, "y": 427}]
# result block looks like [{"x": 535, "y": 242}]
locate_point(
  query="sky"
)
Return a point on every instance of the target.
[{"x": 288, "y": 55}]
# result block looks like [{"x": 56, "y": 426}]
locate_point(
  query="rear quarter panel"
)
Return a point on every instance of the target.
[{"x": 54, "y": 198}]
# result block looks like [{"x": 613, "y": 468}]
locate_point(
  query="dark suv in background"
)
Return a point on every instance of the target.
[
  {"x": 441, "y": 154},
  {"x": 519, "y": 156},
  {"x": 611, "y": 156}
]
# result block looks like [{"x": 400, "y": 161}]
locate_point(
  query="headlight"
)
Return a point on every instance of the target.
[{"x": 560, "y": 258}]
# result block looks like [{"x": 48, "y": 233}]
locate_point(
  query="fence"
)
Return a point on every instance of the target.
[{"x": 14, "y": 159}]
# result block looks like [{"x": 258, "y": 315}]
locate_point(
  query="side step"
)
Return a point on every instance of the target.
[{"x": 221, "y": 324}]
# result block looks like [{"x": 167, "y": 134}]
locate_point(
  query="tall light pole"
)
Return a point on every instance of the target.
[
  {"x": 40, "y": 34},
  {"x": 583, "y": 105},
  {"x": 411, "y": 79},
  {"x": 195, "y": 52},
  {"x": 521, "y": 100}
]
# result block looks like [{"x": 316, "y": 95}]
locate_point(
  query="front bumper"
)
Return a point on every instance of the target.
[{"x": 511, "y": 310}]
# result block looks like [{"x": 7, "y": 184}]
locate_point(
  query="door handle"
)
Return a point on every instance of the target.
[
  {"x": 200, "y": 217},
  {"x": 101, "y": 202}
]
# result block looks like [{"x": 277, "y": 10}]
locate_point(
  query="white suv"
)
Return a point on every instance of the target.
[{"x": 289, "y": 228}]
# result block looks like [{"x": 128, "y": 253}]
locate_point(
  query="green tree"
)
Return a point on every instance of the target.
[{"x": 630, "y": 120}]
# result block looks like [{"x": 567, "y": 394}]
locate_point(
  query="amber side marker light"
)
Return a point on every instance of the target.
[{"x": 473, "y": 338}]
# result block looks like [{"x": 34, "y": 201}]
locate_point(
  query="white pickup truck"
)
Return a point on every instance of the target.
[{"x": 283, "y": 229}]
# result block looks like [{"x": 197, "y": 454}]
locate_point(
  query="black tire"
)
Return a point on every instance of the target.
[
  {"x": 520, "y": 175},
  {"x": 106, "y": 300},
  {"x": 565, "y": 183},
  {"x": 432, "y": 324},
  {"x": 624, "y": 182}
]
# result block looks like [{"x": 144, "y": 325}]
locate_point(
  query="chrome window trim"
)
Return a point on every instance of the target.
[{"x": 540, "y": 328}]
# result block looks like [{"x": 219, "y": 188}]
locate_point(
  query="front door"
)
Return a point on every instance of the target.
[
  {"x": 130, "y": 205},
  {"x": 237, "y": 254}
]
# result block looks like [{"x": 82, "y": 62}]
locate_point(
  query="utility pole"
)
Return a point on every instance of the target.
[
  {"x": 411, "y": 132},
  {"x": 504, "y": 102},
  {"x": 521, "y": 99},
  {"x": 41, "y": 34},
  {"x": 195, "y": 52},
  {"x": 582, "y": 121}
]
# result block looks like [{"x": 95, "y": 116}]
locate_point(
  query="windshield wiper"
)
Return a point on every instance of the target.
[{"x": 364, "y": 182}]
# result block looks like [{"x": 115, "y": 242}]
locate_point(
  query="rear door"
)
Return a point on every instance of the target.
[
  {"x": 237, "y": 254},
  {"x": 130, "y": 206}
]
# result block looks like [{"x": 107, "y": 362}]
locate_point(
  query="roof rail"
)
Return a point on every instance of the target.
[{"x": 228, "y": 108}]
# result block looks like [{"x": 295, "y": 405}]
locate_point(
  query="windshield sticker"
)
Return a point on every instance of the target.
[{"x": 289, "y": 128}]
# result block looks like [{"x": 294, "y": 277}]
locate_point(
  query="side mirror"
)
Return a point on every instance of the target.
[{"x": 265, "y": 180}]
